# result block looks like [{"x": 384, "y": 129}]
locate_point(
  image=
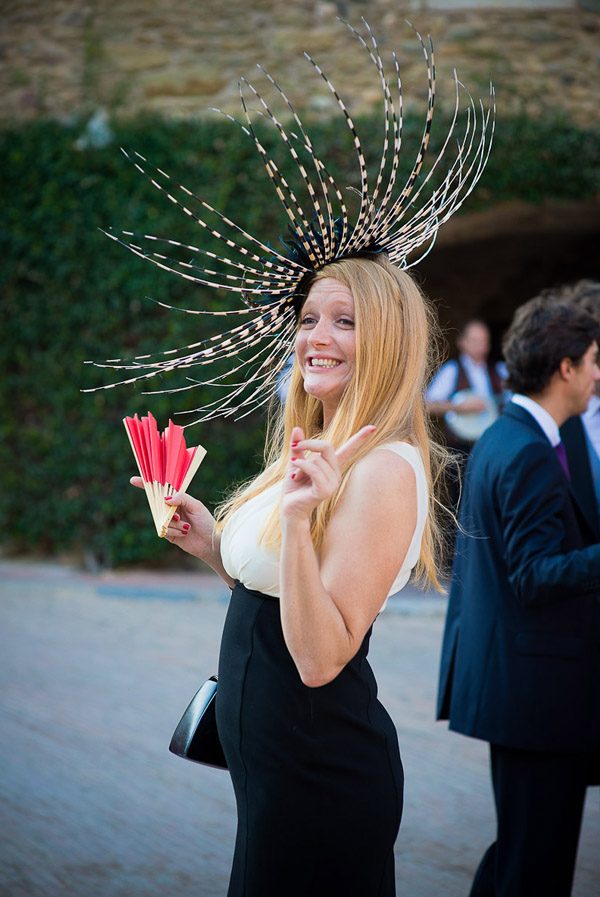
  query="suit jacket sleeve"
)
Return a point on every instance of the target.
[{"x": 533, "y": 498}]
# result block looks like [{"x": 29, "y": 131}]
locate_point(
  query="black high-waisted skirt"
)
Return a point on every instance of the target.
[{"x": 316, "y": 771}]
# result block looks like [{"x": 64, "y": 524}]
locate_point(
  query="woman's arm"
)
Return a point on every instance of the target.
[
  {"x": 192, "y": 530},
  {"x": 328, "y": 604}
]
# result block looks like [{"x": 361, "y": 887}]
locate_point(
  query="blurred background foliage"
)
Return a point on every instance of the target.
[{"x": 69, "y": 295}]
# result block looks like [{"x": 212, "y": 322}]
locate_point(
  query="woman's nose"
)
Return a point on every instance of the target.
[{"x": 320, "y": 334}]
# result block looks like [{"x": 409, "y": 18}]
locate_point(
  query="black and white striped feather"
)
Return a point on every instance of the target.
[{"x": 271, "y": 282}]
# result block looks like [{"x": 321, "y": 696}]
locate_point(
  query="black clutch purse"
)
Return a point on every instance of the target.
[{"x": 196, "y": 737}]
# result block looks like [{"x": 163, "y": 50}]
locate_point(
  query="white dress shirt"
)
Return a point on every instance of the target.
[{"x": 541, "y": 416}]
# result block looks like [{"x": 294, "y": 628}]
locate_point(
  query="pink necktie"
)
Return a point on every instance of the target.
[{"x": 561, "y": 453}]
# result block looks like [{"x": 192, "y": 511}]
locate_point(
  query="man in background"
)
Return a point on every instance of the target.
[
  {"x": 465, "y": 395},
  {"x": 520, "y": 663},
  {"x": 466, "y": 386}
]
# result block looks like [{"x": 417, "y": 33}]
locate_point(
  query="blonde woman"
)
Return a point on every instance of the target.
[
  {"x": 343, "y": 511},
  {"x": 312, "y": 548}
]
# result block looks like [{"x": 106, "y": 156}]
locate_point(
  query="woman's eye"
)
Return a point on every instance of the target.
[
  {"x": 347, "y": 322},
  {"x": 307, "y": 319}
]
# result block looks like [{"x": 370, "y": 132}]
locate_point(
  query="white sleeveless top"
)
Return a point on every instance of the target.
[{"x": 257, "y": 567}]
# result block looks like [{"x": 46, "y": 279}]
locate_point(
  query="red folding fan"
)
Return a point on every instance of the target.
[{"x": 165, "y": 463}]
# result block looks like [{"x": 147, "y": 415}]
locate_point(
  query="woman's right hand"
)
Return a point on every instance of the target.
[{"x": 192, "y": 525}]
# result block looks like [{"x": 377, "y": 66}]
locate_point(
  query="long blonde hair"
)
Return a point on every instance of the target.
[{"x": 396, "y": 347}]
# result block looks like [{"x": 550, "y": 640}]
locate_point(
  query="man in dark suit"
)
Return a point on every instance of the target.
[{"x": 520, "y": 661}]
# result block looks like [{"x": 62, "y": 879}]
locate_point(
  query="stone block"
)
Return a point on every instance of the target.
[
  {"x": 181, "y": 83},
  {"x": 135, "y": 57}
]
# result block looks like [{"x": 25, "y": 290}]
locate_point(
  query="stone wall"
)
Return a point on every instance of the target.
[{"x": 180, "y": 57}]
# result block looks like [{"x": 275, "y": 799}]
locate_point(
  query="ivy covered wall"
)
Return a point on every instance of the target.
[{"x": 69, "y": 294}]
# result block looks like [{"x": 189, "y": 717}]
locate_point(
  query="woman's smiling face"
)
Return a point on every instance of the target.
[{"x": 326, "y": 342}]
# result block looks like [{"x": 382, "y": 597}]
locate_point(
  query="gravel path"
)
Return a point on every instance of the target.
[{"x": 95, "y": 672}]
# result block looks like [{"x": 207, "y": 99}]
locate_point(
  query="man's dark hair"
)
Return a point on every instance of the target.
[{"x": 542, "y": 333}]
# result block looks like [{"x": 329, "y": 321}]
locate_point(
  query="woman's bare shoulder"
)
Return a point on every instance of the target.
[{"x": 382, "y": 474}]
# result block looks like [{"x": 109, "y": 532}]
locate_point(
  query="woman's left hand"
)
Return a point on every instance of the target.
[{"x": 309, "y": 481}]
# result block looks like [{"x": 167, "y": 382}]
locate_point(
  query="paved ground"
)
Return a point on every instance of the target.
[{"x": 94, "y": 674}]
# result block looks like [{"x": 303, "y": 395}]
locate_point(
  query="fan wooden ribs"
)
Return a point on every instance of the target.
[{"x": 165, "y": 463}]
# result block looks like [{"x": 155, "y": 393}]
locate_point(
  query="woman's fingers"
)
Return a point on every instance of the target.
[
  {"x": 325, "y": 450},
  {"x": 177, "y": 498},
  {"x": 178, "y": 527},
  {"x": 297, "y": 438},
  {"x": 352, "y": 445},
  {"x": 185, "y": 503},
  {"x": 181, "y": 500},
  {"x": 320, "y": 446},
  {"x": 177, "y": 530},
  {"x": 320, "y": 474},
  {"x": 175, "y": 533}
]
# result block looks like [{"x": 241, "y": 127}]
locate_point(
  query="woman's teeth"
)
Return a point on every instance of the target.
[{"x": 324, "y": 362}]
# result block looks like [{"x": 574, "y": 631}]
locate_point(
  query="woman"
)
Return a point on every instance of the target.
[
  {"x": 343, "y": 511},
  {"x": 312, "y": 548}
]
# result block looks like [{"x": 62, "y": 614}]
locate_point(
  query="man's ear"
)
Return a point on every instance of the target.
[{"x": 565, "y": 369}]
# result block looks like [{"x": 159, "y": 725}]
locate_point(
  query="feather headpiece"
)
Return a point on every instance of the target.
[{"x": 272, "y": 283}]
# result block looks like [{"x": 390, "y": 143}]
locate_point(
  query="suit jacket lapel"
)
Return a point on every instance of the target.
[{"x": 587, "y": 518}]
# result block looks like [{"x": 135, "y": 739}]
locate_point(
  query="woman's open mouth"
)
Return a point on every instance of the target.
[{"x": 323, "y": 362}]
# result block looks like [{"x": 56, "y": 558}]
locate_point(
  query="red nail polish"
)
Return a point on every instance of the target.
[
  {"x": 176, "y": 517},
  {"x": 293, "y": 459},
  {"x": 168, "y": 497},
  {"x": 294, "y": 476},
  {"x": 186, "y": 527},
  {"x": 294, "y": 444}
]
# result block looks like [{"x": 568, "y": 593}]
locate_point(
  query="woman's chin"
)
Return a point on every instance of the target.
[{"x": 322, "y": 391}]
